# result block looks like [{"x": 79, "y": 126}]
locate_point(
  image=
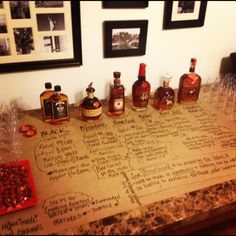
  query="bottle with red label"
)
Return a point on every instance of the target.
[
  {"x": 116, "y": 101},
  {"x": 189, "y": 85},
  {"x": 141, "y": 90},
  {"x": 90, "y": 107},
  {"x": 60, "y": 106}
]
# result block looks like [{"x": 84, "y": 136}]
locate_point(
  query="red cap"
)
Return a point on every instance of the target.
[
  {"x": 193, "y": 62},
  {"x": 142, "y": 71}
]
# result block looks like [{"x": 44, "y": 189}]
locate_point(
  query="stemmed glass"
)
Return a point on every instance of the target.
[
  {"x": 10, "y": 143},
  {"x": 229, "y": 107},
  {"x": 213, "y": 91},
  {"x": 206, "y": 89}
]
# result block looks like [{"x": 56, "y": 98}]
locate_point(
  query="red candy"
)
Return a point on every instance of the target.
[
  {"x": 17, "y": 190},
  {"x": 28, "y": 130}
]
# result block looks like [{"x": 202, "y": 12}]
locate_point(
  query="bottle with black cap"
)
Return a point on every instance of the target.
[
  {"x": 90, "y": 107},
  {"x": 60, "y": 106},
  {"x": 116, "y": 101},
  {"x": 45, "y": 102}
]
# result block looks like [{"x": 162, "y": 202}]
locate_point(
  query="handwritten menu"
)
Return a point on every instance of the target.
[{"x": 86, "y": 171}]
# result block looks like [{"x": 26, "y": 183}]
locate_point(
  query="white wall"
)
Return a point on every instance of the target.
[{"x": 166, "y": 51}]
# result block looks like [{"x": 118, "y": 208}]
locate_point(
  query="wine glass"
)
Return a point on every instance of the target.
[{"x": 229, "y": 107}]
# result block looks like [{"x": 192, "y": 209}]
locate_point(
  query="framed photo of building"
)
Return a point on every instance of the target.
[
  {"x": 124, "y": 4},
  {"x": 125, "y": 38},
  {"x": 184, "y": 14},
  {"x": 39, "y": 35}
]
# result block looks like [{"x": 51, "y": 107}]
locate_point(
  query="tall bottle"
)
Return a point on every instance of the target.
[
  {"x": 116, "y": 101},
  {"x": 189, "y": 85},
  {"x": 90, "y": 107},
  {"x": 45, "y": 102},
  {"x": 60, "y": 106},
  {"x": 164, "y": 96},
  {"x": 141, "y": 90}
]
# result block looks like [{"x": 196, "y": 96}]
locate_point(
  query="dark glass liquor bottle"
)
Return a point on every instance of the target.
[
  {"x": 141, "y": 90},
  {"x": 164, "y": 96},
  {"x": 60, "y": 106},
  {"x": 116, "y": 101},
  {"x": 189, "y": 85},
  {"x": 45, "y": 102},
  {"x": 90, "y": 107}
]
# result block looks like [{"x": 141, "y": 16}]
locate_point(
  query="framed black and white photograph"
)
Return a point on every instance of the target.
[
  {"x": 19, "y": 9},
  {"x": 124, "y": 4},
  {"x": 42, "y": 4},
  {"x": 184, "y": 14},
  {"x": 39, "y": 35},
  {"x": 125, "y": 38}
]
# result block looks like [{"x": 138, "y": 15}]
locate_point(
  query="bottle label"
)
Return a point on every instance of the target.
[
  {"x": 91, "y": 112},
  {"x": 47, "y": 107},
  {"x": 190, "y": 93},
  {"x": 140, "y": 98},
  {"x": 118, "y": 104},
  {"x": 167, "y": 101},
  {"x": 59, "y": 109}
]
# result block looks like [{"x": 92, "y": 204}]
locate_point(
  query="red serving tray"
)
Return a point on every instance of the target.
[{"x": 33, "y": 200}]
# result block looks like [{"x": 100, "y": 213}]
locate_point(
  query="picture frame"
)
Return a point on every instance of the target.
[
  {"x": 184, "y": 14},
  {"x": 124, "y": 4},
  {"x": 42, "y": 35},
  {"x": 125, "y": 38}
]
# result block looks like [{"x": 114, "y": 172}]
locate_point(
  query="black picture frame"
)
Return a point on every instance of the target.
[
  {"x": 124, "y": 4},
  {"x": 183, "y": 22},
  {"x": 125, "y": 38},
  {"x": 50, "y": 60}
]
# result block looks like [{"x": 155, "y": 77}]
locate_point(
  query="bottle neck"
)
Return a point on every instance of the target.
[
  {"x": 192, "y": 69},
  {"x": 116, "y": 81},
  {"x": 192, "y": 65},
  {"x": 165, "y": 83},
  {"x": 141, "y": 78},
  {"x": 90, "y": 95}
]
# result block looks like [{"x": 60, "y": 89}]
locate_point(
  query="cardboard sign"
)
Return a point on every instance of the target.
[{"x": 87, "y": 171}]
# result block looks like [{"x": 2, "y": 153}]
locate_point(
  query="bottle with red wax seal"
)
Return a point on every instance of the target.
[
  {"x": 141, "y": 90},
  {"x": 90, "y": 107},
  {"x": 189, "y": 85}
]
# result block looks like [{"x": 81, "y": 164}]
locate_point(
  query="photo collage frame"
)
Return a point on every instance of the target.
[{"x": 39, "y": 34}]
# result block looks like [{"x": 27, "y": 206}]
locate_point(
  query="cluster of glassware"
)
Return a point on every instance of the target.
[
  {"x": 221, "y": 93},
  {"x": 10, "y": 142}
]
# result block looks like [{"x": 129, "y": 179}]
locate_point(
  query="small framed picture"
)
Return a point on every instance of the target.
[
  {"x": 125, "y": 38},
  {"x": 124, "y": 4},
  {"x": 184, "y": 14},
  {"x": 39, "y": 35}
]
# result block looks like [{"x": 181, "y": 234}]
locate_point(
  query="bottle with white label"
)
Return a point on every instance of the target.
[{"x": 116, "y": 101}]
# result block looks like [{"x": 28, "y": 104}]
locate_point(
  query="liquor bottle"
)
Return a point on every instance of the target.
[
  {"x": 189, "y": 85},
  {"x": 164, "y": 96},
  {"x": 116, "y": 101},
  {"x": 141, "y": 90},
  {"x": 45, "y": 102},
  {"x": 90, "y": 107},
  {"x": 60, "y": 106}
]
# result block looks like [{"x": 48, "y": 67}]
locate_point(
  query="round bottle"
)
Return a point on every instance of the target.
[{"x": 90, "y": 107}]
